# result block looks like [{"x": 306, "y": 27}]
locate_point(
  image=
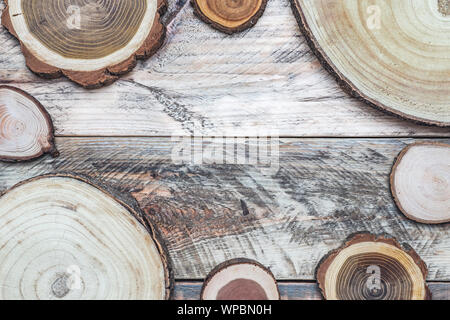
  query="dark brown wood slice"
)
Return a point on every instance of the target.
[
  {"x": 420, "y": 182},
  {"x": 65, "y": 237},
  {"x": 26, "y": 129},
  {"x": 89, "y": 42},
  {"x": 230, "y": 16},
  {"x": 240, "y": 279},
  {"x": 405, "y": 73},
  {"x": 371, "y": 267}
]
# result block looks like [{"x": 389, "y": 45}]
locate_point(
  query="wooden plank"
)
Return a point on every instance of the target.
[
  {"x": 253, "y": 83},
  {"x": 190, "y": 290},
  {"x": 287, "y": 219}
]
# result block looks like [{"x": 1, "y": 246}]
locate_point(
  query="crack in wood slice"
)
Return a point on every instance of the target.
[
  {"x": 66, "y": 238},
  {"x": 91, "y": 42},
  {"x": 26, "y": 129},
  {"x": 370, "y": 267},
  {"x": 391, "y": 54},
  {"x": 420, "y": 182},
  {"x": 230, "y": 16},
  {"x": 240, "y": 279}
]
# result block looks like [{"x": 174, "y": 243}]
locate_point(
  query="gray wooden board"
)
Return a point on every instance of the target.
[
  {"x": 324, "y": 190},
  {"x": 262, "y": 81}
]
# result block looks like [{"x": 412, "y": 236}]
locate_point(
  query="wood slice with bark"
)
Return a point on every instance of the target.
[
  {"x": 26, "y": 129},
  {"x": 420, "y": 182},
  {"x": 240, "y": 279},
  {"x": 90, "y": 42},
  {"x": 371, "y": 267},
  {"x": 391, "y": 54},
  {"x": 66, "y": 238},
  {"x": 230, "y": 16}
]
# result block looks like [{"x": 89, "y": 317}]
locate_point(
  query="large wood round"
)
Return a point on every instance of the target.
[
  {"x": 393, "y": 55},
  {"x": 420, "y": 182},
  {"x": 230, "y": 16},
  {"x": 89, "y": 41},
  {"x": 240, "y": 279},
  {"x": 26, "y": 129},
  {"x": 369, "y": 267},
  {"x": 64, "y": 238}
]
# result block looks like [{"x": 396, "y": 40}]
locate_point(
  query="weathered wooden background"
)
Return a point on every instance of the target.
[{"x": 335, "y": 153}]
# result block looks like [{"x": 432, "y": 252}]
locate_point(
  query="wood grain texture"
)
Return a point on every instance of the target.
[
  {"x": 420, "y": 182},
  {"x": 91, "y": 43},
  {"x": 26, "y": 129},
  {"x": 406, "y": 73},
  {"x": 190, "y": 290},
  {"x": 263, "y": 80},
  {"x": 373, "y": 267},
  {"x": 230, "y": 16},
  {"x": 66, "y": 238},
  {"x": 324, "y": 190}
]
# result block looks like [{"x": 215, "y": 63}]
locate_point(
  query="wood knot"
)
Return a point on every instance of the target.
[{"x": 444, "y": 7}]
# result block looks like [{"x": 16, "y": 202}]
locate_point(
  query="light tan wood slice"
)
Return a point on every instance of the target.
[
  {"x": 393, "y": 55},
  {"x": 420, "y": 182},
  {"x": 64, "y": 238},
  {"x": 26, "y": 129},
  {"x": 90, "y": 42},
  {"x": 240, "y": 279},
  {"x": 230, "y": 16},
  {"x": 370, "y": 267}
]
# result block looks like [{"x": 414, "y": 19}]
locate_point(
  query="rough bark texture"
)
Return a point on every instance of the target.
[{"x": 98, "y": 77}]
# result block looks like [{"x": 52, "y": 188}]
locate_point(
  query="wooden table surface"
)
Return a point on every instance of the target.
[{"x": 335, "y": 153}]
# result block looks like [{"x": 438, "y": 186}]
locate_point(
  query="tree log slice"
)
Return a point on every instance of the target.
[
  {"x": 90, "y": 42},
  {"x": 240, "y": 279},
  {"x": 230, "y": 16},
  {"x": 26, "y": 129},
  {"x": 369, "y": 267},
  {"x": 394, "y": 55},
  {"x": 64, "y": 238},
  {"x": 420, "y": 182}
]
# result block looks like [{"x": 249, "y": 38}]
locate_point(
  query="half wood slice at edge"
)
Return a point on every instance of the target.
[
  {"x": 50, "y": 60},
  {"x": 409, "y": 80},
  {"x": 420, "y": 182},
  {"x": 74, "y": 239},
  {"x": 372, "y": 267},
  {"x": 240, "y": 279},
  {"x": 26, "y": 128},
  {"x": 229, "y": 19}
]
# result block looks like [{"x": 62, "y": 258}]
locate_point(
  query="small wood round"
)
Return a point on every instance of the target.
[
  {"x": 369, "y": 267},
  {"x": 240, "y": 279},
  {"x": 420, "y": 182},
  {"x": 26, "y": 129},
  {"x": 230, "y": 16},
  {"x": 392, "y": 55},
  {"x": 64, "y": 238},
  {"x": 89, "y": 41}
]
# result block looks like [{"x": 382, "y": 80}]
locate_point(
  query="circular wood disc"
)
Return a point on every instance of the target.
[
  {"x": 240, "y": 279},
  {"x": 230, "y": 16},
  {"x": 91, "y": 42},
  {"x": 420, "y": 182},
  {"x": 394, "y": 55},
  {"x": 369, "y": 267},
  {"x": 26, "y": 129},
  {"x": 64, "y": 238}
]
